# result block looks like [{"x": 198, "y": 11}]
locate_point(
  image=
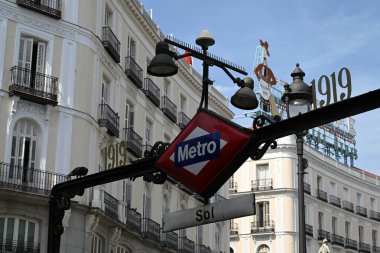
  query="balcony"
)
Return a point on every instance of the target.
[
  {"x": 152, "y": 91},
  {"x": 307, "y": 188},
  {"x": 362, "y": 211},
  {"x": 111, "y": 43},
  {"x": 364, "y": 247},
  {"x": 169, "y": 108},
  {"x": 170, "y": 240},
  {"x": 134, "y": 71},
  {"x": 203, "y": 249},
  {"x": 348, "y": 206},
  {"x": 375, "y": 249},
  {"x": 351, "y": 244},
  {"x": 259, "y": 227},
  {"x": 18, "y": 246},
  {"x": 28, "y": 180},
  {"x": 150, "y": 229},
  {"x": 133, "y": 141},
  {"x": 262, "y": 184},
  {"x": 337, "y": 240},
  {"x": 322, "y": 195},
  {"x": 373, "y": 215},
  {"x": 183, "y": 120},
  {"x": 309, "y": 230},
  {"x": 186, "y": 245},
  {"x": 133, "y": 220},
  {"x": 33, "y": 86},
  {"x": 109, "y": 119},
  {"x": 51, "y": 8},
  {"x": 111, "y": 206},
  {"x": 233, "y": 187},
  {"x": 335, "y": 201},
  {"x": 322, "y": 234}
]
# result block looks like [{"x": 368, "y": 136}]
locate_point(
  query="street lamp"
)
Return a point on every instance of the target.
[
  {"x": 298, "y": 98},
  {"x": 162, "y": 65}
]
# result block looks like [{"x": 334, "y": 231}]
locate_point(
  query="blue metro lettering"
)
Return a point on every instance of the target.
[{"x": 197, "y": 150}]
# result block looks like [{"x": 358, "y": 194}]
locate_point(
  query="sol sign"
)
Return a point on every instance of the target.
[{"x": 206, "y": 153}]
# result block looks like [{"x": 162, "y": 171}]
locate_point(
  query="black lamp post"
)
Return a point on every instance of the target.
[
  {"x": 298, "y": 98},
  {"x": 163, "y": 65}
]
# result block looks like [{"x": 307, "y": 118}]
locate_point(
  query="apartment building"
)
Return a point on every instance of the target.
[
  {"x": 342, "y": 203},
  {"x": 74, "y": 92}
]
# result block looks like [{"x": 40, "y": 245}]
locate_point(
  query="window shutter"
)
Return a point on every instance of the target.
[
  {"x": 41, "y": 50},
  {"x": 148, "y": 207},
  {"x": 129, "y": 194}
]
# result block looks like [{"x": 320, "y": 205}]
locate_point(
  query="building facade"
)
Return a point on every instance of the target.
[
  {"x": 74, "y": 92},
  {"x": 342, "y": 203}
]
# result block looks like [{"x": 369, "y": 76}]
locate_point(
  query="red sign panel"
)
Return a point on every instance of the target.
[{"x": 206, "y": 153}]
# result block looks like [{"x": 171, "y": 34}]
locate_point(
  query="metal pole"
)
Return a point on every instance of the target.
[
  {"x": 301, "y": 200},
  {"x": 205, "y": 81}
]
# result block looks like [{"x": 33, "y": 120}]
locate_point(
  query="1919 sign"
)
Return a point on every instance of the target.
[{"x": 330, "y": 89}]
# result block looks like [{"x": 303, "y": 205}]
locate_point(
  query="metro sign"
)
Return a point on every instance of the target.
[{"x": 206, "y": 153}]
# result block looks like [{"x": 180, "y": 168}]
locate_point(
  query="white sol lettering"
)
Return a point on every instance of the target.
[{"x": 206, "y": 215}]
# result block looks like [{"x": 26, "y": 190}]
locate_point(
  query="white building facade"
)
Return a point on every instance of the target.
[
  {"x": 341, "y": 204},
  {"x": 74, "y": 92}
]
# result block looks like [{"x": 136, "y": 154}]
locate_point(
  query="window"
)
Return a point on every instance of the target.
[
  {"x": 167, "y": 87},
  {"x": 346, "y": 194},
  {"x": 359, "y": 198},
  {"x": 131, "y": 50},
  {"x": 361, "y": 234},
  {"x": 263, "y": 249},
  {"x": 104, "y": 99},
  {"x": 96, "y": 244},
  {"x": 108, "y": 17},
  {"x": 129, "y": 115},
  {"x": 148, "y": 132},
  {"x": 24, "y": 146},
  {"x": 147, "y": 204},
  {"x": 120, "y": 249},
  {"x": 262, "y": 214},
  {"x": 347, "y": 229},
  {"x": 319, "y": 183},
  {"x": 183, "y": 104},
  {"x": 320, "y": 220},
  {"x": 372, "y": 203},
  {"x": 127, "y": 192},
  {"x": 199, "y": 235},
  {"x": 19, "y": 232},
  {"x": 31, "y": 61},
  {"x": 262, "y": 171},
  {"x": 374, "y": 237},
  {"x": 334, "y": 225},
  {"x": 333, "y": 188}
]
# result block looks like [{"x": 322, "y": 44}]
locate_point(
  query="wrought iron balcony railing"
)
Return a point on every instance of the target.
[
  {"x": 202, "y": 249},
  {"x": 266, "y": 226},
  {"x": 152, "y": 91},
  {"x": 51, "y": 8},
  {"x": 307, "y": 188},
  {"x": 29, "y": 180},
  {"x": 322, "y": 234},
  {"x": 133, "y": 142},
  {"x": 348, "y": 206},
  {"x": 151, "y": 229},
  {"x": 111, "y": 43},
  {"x": 186, "y": 245},
  {"x": 134, "y": 71},
  {"x": 364, "y": 247},
  {"x": 335, "y": 201},
  {"x": 109, "y": 118},
  {"x": 309, "y": 230},
  {"x": 375, "y": 249},
  {"x": 373, "y": 215},
  {"x": 133, "y": 220},
  {"x": 169, "y": 108},
  {"x": 170, "y": 240},
  {"x": 362, "y": 211},
  {"x": 337, "y": 240},
  {"x": 322, "y": 195},
  {"x": 111, "y": 206},
  {"x": 351, "y": 244},
  {"x": 262, "y": 184},
  {"x": 233, "y": 187},
  {"x": 18, "y": 246},
  {"x": 183, "y": 120},
  {"x": 33, "y": 86}
]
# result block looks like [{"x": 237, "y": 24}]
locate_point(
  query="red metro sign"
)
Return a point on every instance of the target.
[{"x": 206, "y": 153}]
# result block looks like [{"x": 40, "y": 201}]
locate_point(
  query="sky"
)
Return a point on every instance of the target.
[{"x": 322, "y": 36}]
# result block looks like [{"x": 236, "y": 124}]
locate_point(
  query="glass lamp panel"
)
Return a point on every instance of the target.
[{"x": 298, "y": 106}]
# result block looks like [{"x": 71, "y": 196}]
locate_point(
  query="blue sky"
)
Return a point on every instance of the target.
[{"x": 323, "y": 36}]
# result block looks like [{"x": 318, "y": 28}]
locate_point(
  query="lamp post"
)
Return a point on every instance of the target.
[{"x": 298, "y": 98}]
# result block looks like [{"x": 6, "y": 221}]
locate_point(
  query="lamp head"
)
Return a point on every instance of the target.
[
  {"x": 162, "y": 64},
  {"x": 245, "y": 98},
  {"x": 205, "y": 39},
  {"x": 298, "y": 96}
]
